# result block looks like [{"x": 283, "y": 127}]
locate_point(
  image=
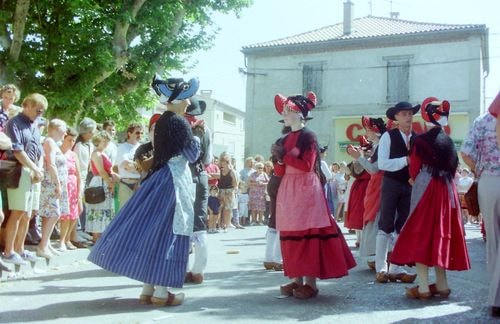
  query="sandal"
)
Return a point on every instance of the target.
[
  {"x": 305, "y": 292},
  {"x": 172, "y": 300},
  {"x": 268, "y": 265},
  {"x": 402, "y": 277},
  {"x": 145, "y": 299},
  {"x": 189, "y": 277},
  {"x": 439, "y": 293},
  {"x": 415, "y": 294},
  {"x": 287, "y": 290},
  {"x": 79, "y": 244},
  {"x": 70, "y": 246}
]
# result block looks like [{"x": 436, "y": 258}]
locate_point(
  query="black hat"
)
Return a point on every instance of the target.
[
  {"x": 403, "y": 105},
  {"x": 322, "y": 149},
  {"x": 197, "y": 107}
]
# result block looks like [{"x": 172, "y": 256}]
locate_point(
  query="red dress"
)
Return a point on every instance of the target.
[
  {"x": 433, "y": 235},
  {"x": 372, "y": 197},
  {"x": 356, "y": 206},
  {"x": 308, "y": 249}
]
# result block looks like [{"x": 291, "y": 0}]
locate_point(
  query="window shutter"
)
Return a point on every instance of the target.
[
  {"x": 313, "y": 80},
  {"x": 398, "y": 76}
]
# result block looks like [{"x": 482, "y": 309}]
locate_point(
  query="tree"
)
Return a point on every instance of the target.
[{"x": 97, "y": 58}]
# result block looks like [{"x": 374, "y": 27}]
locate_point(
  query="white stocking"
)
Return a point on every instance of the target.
[
  {"x": 147, "y": 290},
  {"x": 423, "y": 277},
  {"x": 161, "y": 292},
  {"x": 381, "y": 249},
  {"x": 441, "y": 281}
]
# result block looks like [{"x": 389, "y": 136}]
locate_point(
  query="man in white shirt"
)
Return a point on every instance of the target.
[
  {"x": 393, "y": 157},
  {"x": 129, "y": 176}
]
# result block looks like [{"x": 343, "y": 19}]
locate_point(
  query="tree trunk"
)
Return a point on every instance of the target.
[
  {"x": 120, "y": 45},
  {"x": 22, "y": 8}
]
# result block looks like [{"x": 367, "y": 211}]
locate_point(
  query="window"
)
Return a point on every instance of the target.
[
  {"x": 312, "y": 80},
  {"x": 398, "y": 76},
  {"x": 229, "y": 118}
]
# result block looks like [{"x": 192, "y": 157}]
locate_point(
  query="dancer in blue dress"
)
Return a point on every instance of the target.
[{"x": 149, "y": 238}]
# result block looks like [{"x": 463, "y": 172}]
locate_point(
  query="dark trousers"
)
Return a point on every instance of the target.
[
  {"x": 395, "y": 197},
  {"x": 201, "y": 202}
]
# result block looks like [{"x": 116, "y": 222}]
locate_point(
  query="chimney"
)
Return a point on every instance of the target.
[
  {"x": 394, "y": 15},
  {"x": 348, "y": 13}
]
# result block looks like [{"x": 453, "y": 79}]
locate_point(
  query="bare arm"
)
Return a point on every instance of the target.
[
  {"x": 50, "y": 150},
  {"x": 469, "y": 161},
  {"x": 97, "y": 159}
]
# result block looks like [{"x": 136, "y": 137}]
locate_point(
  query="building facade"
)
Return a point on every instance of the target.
[
  {"x": 226, "y": 123},
  {"x": 362, "y": 67}
]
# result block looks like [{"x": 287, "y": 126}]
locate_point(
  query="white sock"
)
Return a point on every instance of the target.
[
  {"x": 423, "y": 277},
  {"x": 441, "y": 282},
  {"x": 271, "y": 237},
  {"x": 396, "y": 269},
  {"x": 277, "y": 249},
  {"x": 381, "y": 249},
  {"x": 148, "y": 290},
  {"x": 161, "y": 292}
]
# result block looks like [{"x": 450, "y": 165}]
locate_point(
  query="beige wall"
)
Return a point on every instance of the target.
[{"x": 354, "y": 84}]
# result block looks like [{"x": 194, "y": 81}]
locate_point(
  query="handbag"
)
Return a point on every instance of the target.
[
  {"x": 471, "y": 200},
  {"x": 94, "y": 195},
  {"x": 10, "y": 173}
]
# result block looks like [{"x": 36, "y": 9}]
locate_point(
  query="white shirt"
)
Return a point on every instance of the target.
[
  {"x": 384, "y": 150},
  {"x": 126, "y": 152},
  {"x": 84, "y": 152},
  {"x": 111, "y": 152},
  {"x": 326, "y": 170}
]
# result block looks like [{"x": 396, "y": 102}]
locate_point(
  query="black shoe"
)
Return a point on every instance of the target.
[{"x": 495, "y": 311}]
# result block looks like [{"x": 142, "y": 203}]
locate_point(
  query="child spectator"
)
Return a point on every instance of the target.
[{"x": 213, "y": 210}]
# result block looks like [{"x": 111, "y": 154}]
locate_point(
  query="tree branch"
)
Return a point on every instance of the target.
[
  {"x": 169, "y": 38},
  {"x": 22, "y": 8},
  {"x": 120, "y": 44}
]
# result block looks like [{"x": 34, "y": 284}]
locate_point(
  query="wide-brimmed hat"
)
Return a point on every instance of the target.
[
  {"x": 174, "y": 88},
  {"x": 403, "y": 105},
  {"x": 435, "y": 111},
  {"x": 298, "y": 103},
  {"x": 197, "y": 107}
]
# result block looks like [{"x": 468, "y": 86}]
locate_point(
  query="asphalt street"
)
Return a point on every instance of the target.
[{"x": 237, "y": 289}]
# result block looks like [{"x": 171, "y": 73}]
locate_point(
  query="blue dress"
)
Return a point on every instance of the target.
[{"x": 141, "y": 242}]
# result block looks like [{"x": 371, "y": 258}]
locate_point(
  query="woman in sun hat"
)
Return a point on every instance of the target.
[{"x": 148, "y": 240}]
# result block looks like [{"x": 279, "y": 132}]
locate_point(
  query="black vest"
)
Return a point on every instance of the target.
[{"x": 398, "y": 149}]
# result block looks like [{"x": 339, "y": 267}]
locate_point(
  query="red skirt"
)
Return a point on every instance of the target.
[
  {"x": 318, "y": 252},
  {"x": 356, "y": 205},
  {"x": 433, "y": 234},
  {"x": 372, "y": 197}
]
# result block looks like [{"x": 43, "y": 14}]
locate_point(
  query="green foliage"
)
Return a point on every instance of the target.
[{"x": 72, "y": 51}]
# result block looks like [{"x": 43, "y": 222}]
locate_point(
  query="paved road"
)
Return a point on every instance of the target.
[{"x": 236, "y": 290}]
